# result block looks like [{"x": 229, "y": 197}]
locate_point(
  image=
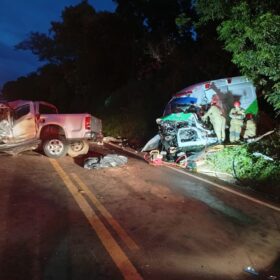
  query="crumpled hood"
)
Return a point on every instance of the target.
[
  {"x": 5, "y": 125},
  {"x": 5, "y": 129}
]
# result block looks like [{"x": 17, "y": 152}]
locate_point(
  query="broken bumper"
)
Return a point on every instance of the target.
[
  {"x": 94, "y": 136},
  {"x": 16, "y": 148}
]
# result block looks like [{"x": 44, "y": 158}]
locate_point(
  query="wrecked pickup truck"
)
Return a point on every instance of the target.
[
  {"x": 26, "y": 125},
  {"x": 181, "y": 128}
]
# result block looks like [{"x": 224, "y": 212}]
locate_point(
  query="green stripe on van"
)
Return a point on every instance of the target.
[
  {"x": 253, "y": 108},
  {"x": 177, "y": 117}
]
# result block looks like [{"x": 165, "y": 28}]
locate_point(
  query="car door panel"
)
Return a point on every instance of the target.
[{"x": 24, "y": 124}]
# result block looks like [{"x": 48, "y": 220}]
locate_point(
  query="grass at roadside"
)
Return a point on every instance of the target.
[{"x": 256, "y": 165}]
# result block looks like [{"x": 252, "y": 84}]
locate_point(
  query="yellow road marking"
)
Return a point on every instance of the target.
[
  {"x": 225, "y": 188},
  {"x": 119, "y": 257},
  {"x": 106, "y": 214}
]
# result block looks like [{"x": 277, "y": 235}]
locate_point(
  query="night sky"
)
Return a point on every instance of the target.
[{"x": 20, "y": 17}]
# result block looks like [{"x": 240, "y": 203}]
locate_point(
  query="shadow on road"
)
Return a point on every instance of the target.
[{"x": 32, "y": 232}]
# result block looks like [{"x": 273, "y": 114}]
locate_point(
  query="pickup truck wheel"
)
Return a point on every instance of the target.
[
  {"x": 55, "y": 148},
  {"x": 77, "y": 148}
]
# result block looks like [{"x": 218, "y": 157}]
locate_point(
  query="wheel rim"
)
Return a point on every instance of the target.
[
  {"x": 77, "y": 146},
  {"x": 55, "y": 147}
]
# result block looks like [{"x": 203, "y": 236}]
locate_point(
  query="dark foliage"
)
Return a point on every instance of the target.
[
  {"x": 122, "y": 66},
  {"x": 249, "y": 30}
]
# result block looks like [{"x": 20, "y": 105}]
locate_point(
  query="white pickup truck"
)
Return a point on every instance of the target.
[{"x": 32, "y": 123}]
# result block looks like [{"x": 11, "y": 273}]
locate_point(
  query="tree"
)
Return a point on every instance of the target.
[
  {"x": 155, "y": 24},
  {"x": 96, "y": 52},
  {"x": 250, "y": 30},
  {"x": 127, "y": 63},
  {"x": 156, "y": 17}
]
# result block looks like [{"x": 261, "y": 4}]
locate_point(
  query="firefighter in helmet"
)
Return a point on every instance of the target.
[
  {"x": 237, "y": 115},
  {"x": 250, "y": 129},
  {"x": 217, "y": 119}
]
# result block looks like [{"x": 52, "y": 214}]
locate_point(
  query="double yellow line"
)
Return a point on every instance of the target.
[{"x": 119, "y": 257}]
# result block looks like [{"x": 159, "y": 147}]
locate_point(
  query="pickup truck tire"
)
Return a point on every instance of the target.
[
  {"x": 55, "y": 147},
  {"x": 77, "y": 148}
]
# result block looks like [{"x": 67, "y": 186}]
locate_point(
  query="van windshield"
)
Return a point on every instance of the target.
[{"x": 182, "y": 104}]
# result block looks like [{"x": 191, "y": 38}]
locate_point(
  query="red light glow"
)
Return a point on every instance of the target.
[{"x": 87, "y": 122}]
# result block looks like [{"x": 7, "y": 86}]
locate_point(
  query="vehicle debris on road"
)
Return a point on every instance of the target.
[{"x": 110, "y": 160}]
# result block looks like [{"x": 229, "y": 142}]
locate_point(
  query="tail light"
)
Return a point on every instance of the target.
[{"x": 87, "y": 122}]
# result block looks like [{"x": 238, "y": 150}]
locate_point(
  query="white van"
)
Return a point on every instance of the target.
[
  {"x": 181, "y": 126},
  {"x": 226, "y": 91}
]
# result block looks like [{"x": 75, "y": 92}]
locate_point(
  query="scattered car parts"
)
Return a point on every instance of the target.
[{"x": 110, "y": 160}]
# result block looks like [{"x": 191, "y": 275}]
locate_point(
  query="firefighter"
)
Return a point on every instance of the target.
[
  {"x": 217, "y": 120},
  {"x": 237, "y": 115},
  {"x": 250, "y": 129}
]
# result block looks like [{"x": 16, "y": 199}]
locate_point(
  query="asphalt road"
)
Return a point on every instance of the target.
[{"x": 61, "y": 221}]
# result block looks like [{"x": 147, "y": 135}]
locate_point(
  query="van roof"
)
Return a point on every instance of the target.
[{"x": 219, "y": 82}]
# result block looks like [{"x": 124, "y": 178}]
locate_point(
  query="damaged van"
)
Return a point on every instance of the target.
[
  {"x": 225, "y": 91},
  {"x": 181, "y": 127}
]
